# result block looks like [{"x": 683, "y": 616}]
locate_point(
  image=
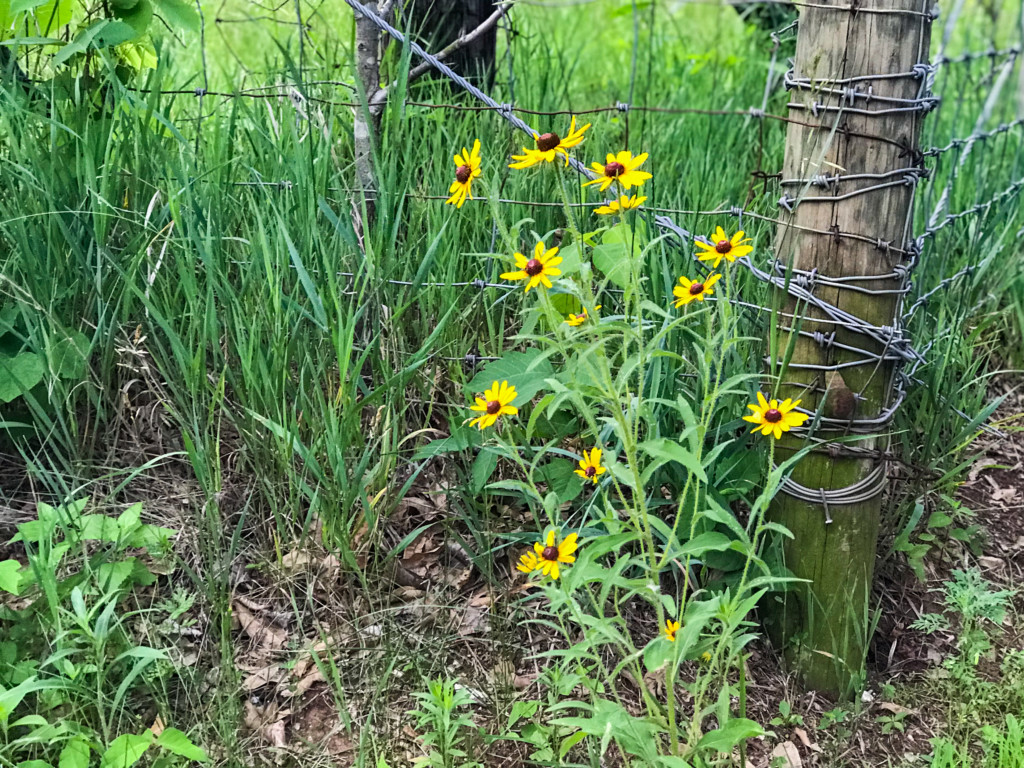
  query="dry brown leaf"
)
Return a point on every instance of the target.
[
  {"x": 158, "y": 726},
  {"x": 895, "y": 709},
  {"x": 789, "y": 754},
  {"x": 259, "y": 629},
  {"x": 263, "y": 676},
  {"x": 268, "y": 722}
]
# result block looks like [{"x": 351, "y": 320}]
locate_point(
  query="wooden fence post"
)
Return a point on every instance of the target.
[
  {"x": 850, "y": 167},
  {"x": 364, "y": 122}
]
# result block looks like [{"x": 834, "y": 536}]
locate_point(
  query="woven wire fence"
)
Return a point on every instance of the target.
[{"x": 967, "y": 173}]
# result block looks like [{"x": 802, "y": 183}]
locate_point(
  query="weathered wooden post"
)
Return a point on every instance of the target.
[{"x": 858, "y": 95}]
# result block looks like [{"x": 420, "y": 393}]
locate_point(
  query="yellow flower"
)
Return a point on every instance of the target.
[
  {"x": 620, "y": 169},
  {"x": 689, "y": 290},
  {"x": 670, "y": 629},
  {"x": 590, "y": 466},
  {"x": 624, "y": 203},
  {"x": 528, "y": 562},
  {"x": 706, "y": 656},
  {"x": 548, "y": 146},
  {"x": 536, "y": 270},
  {"x": 723, "y": 247},
  {"x": 467, "y": 168},
  {"x": 495, "y": 402},
  {"x": 774, "y": 417},
  {"x": 581, "y": 318},
  {"x": 549, "y": 554}
]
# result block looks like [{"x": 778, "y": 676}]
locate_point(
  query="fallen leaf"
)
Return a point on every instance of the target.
[
  {"x": 263, "y": 676},
  {"x": 896, "y": 709},
  {"x": 158, "y": 726},
  {"x": 260, "y": 630},
  {"x": 786, "y": 755}
]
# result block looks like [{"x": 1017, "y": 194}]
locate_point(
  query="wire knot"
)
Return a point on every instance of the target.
[
  {"x": 823, "y": 180},
  {"x": 756, "y": 112},
  {"x": 786, "y": 202},
  {"x": 921, "y": 70},
  {"x": 200, "y": 92},
  {"x": 824, "y": 340},
  {"x": 479, "y": 283},
  {"x": 622, "y": 106}
]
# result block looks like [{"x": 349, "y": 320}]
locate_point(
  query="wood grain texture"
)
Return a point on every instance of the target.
[{"x": 824, "y": 626}]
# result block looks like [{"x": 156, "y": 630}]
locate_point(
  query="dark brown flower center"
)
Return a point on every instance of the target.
[
  {"x": 696, "y": 288},
  {"x": 550, "y": 553},
  {"x": 773, "y": 415},
  {"x": 723, "y": 246},
  {"x": 590, "y": 471},
  {"x": 493, "y": 407},
  {"x": 533, "y": 267},
  {"x": 462, "y": 174},
  {"x": 614, "y": 170},
  {"x": 547, "y": 141}
]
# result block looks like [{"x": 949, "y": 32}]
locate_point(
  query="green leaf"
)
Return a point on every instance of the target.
[
  {"x": 101, "y": 34},
  {"x": 69, "y": 355},
  {"x": 462, "y": 437},
  {"x": 526, "y": 371},
  {"x": 483, "y": 466},
  {"x": 111, "y": 576},
  {"x": 177, "y": 742},
  {"x": 34, "y": 764},
  {"x": 562, "y": 480},
  {"x": 10, "y": 576},
  {"x": 712, "y": 541},
  {"x": 98, "y": 528},
  {"x": 126, "y": 750},
  {"x": 732, "y": 733},
  {"x": 138, "y": 14},
  {"x": 612, "y": 259},
  {"x": 75, "y": 754},
  {"x": 179, "y": 14},
  {"x": 19, "y": 374},
  {"x": 664, "y": 450},
  {"x": 571, "y": 258}
]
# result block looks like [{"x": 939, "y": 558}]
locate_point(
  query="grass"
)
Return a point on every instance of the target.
[{"x": 249, "y": 356}]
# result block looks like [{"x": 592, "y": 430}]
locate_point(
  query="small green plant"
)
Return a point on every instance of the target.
[
  {"x": 786, "y": 716},
  {"x": 968, "y": 595},
  {"x": 893, "y": 722},
  {"x": 71, "y": 674},
  {"x": 445, "y": 729}
]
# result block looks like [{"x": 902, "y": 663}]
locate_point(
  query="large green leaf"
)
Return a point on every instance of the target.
[
  {"x": 728, "y": 736},
  {"x": 75, "y": 754},
  {"x": 10, "y": 576},
  {"x": 612, "y": 259},
  {"x": 526, "y": 371},
  {"x": 177, "y": 742},
  {"x": 179, "y": 14},
  {"x": 19, "y": 374},
  {"x": 126, "y": 750},
  {"x": 137, "y": 13},
  {"x": 663, "y": 450}
]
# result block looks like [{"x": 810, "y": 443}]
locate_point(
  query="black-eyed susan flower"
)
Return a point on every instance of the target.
[
  {"x": 581, "y": 318},
  {"x": 548, "y": 146},
  {"x": 724, "y": 247},
  {"x": 528, "y": 562},
  {"x": 693, "y": 290},
  {"x": 467, "y": 168},
  {"x": 770, "y": 417},
  {"x": 590, "y": 465},
  {"x": 620, "y": 169},
  {"x": 539, "y": 269},
  {"x": 550, "y": 553},
  {"x": 670, "y": 629},
  {"x": 495, "y": 402},
  {"x": 624, "y": 203}
]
